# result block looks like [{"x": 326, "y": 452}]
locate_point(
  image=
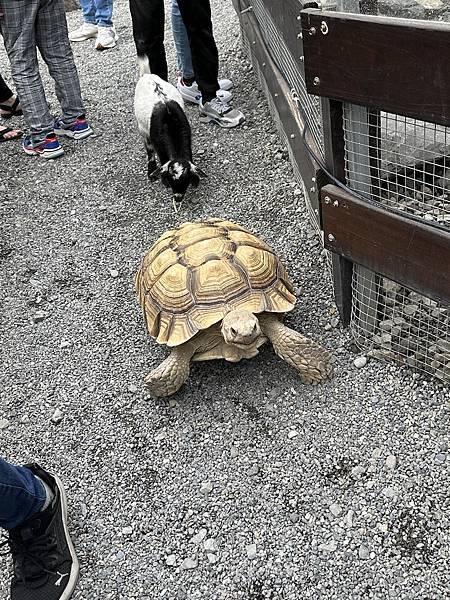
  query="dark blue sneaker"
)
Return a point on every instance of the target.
[
  {"x": 48, "y": 148},
  {"x": 78, "y": 130}
]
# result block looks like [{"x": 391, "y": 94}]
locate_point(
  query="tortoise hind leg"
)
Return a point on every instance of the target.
[
  {"x": 171, "y": 374},
  {"x": 311, "y": 360}
]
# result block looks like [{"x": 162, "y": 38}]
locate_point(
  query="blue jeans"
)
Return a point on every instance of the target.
[
  {"x": 21, "y": 495},
  {"x": 181, "y": 39},
  {"x": 97, "y": 12}
]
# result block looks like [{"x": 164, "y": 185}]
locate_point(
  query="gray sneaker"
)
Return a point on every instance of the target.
[{"x": 220, "y": 113}]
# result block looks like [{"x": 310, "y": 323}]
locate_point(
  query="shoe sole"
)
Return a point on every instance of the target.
[
  {"x": 220, "y": 122},
  {"x": 74, "y": 135},
  {"x": 83, "y": 39},
  {"x": 47, "y": 154},
  {"x": 75, "y": 570}
]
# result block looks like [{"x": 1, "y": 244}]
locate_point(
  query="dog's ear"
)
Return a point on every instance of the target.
[
  {"x": 197, "y": 170},
  {"x": 165, "y": 167}
]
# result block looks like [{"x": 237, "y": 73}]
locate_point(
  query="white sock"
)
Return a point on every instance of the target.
[{"x": 49, "y": 495}]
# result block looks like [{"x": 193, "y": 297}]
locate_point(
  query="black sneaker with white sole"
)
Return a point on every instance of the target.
[
  {"x": 220, "y": 113},
  {"x": 45, "y": 563}
]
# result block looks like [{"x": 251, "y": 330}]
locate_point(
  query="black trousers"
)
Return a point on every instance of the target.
[
  {"x": 5, "y": 92},
  {"x": 148, "y": 33}
]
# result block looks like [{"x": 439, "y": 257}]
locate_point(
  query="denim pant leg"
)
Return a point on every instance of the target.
[
  {"x": 21, "y": 495},
  {"x": 88, "y": 10},
  {"x": 103, "y": 12},
  {"x": 180, "y": 37}
]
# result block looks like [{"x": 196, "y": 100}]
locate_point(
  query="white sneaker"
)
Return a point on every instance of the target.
[
  {"x": 221, "y": 114},
  {"x": 83, "y": 33},
  {"x": 191, "y": 93},
  {"x": 106, "y": 38}
]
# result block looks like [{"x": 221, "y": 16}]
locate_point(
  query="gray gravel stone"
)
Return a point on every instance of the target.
[
  {"x": 251, "y": 551},
  {"x": 391, "y": 462},
  {"x": 360, "y": 362},
  {"x": 206, "y": 488},
  {"x": 335, "y": 510},
  {"x": 57, "y": 416},
  {"x": 4, "y": 423}
]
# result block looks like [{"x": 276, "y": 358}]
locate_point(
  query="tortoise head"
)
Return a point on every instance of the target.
[{"x": 240, "y": 328}]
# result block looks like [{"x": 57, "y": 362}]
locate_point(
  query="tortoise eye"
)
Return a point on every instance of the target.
[
  {"x": 233, "y": 331},
  {"x": 254, "y": 327}
]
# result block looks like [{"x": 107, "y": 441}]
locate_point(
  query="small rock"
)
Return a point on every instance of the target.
[
  {"x": 132, "y": 388},
  {"x": 335, "y": 510},
  {"x": 334, "y": 322},
  {"x": 391, "y": 462},
  {"x": 57, "y": 416},
  {"x": 39, "y": 316},
  {"x": 189, "y": 563},
  {"x": 24, "y": 419},
  {"x": 410, "y": 309},
  {"x": 328, "y": 327},
  {"x": 251, "y": 551},
  {"x": 212, "y": 558},
  {"x": 363, "y": 552},
  {"x": 206, "y": 488},
  {"x": 377, "y": 452},
  {"x": 234, "y": 451},
  {"x": 292, "y": 434},
  {"x": 120, "y": 555},
  {"x": 389, "y": 492},
  {"x": 440, "y": 457},
  {"x": 171, "y": 560},
  {"x": 360, "y": 362},
  {"x": 199, "y": 537},
  {"x": 254, "y": 470},
  {"x": 331, "y": 546},
  {"x": 348, "y": 519},
  {"x": 294, "y": 518},
  {"x": 4, "y": 423},
  {"x": 358, "y": 471},
  {"x": 210, "y": 545},
  {"x": 64, "y": 344},
  {"x": 114, "y": 273},
  {"x": 127, "y": 530}
]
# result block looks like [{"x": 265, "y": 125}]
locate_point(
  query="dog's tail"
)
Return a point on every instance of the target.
[{"x": 143, "y": 64}]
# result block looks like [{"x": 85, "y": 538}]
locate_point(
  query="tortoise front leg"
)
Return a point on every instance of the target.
[
  {"x": 311, "y": 360},
  {"x": 170, "y": 375}
]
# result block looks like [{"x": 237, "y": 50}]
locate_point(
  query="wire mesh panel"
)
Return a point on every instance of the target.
[
  {"x": 291, "y": 68},
  {"x": 405, "y": 162},
  {"x": 408, "y": 327}
]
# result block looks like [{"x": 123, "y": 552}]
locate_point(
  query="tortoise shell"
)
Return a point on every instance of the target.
[{"x": 195, "y": 274}]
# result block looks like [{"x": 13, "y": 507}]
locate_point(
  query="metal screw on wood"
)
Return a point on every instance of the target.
[
  {"x": 312, "y": 31},
  {"x": 299, "y": 17},
  {"x": 327, "y": 199},
  {"x": 312, "y": 189},
  {"x": 300, "y": 35},
  {"x": 324, "y": 28},
  {"x": 336, "y": 203},
  {"x": 313, "y": 179},
  {"x": 248, "y": 9},
  {"x": 331, "y": 237},
  {"x": 292, "y": 136},
  {"x": 264, "y": 64},
  {"x": 302, "y": 58},
  {"x": 316, "y": 81}
]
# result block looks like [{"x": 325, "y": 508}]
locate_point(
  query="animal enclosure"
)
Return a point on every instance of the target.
[{"x": 367, "y": 126}]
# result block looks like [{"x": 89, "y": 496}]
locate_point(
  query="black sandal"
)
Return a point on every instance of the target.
[
  {"x": 11, "y": 111},
  {"x": 6, "y": 130}
]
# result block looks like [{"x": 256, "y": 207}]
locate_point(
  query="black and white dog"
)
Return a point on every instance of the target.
[{"x": 159, "y": 111}]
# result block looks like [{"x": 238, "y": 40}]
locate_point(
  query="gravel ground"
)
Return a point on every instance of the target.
[{"x": 246, "y": 484}]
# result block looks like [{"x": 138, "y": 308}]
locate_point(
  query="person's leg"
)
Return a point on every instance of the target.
[
  {"x": 33, "y": 510},
  {"x": 103, "y": 13},
  {"x": 54, "y": 46},
  {"x": 148, "y": 32},
  {"x": 205, "y": 59},
  {"x": 21, "y": 495},
  {"x": 181, "y": 39},
  {"x": 18, "y": 30},
  {"x": 5, "y": 92},
  {"x": 88, "y": 29},
  {"x": 88, "y": 9}
]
